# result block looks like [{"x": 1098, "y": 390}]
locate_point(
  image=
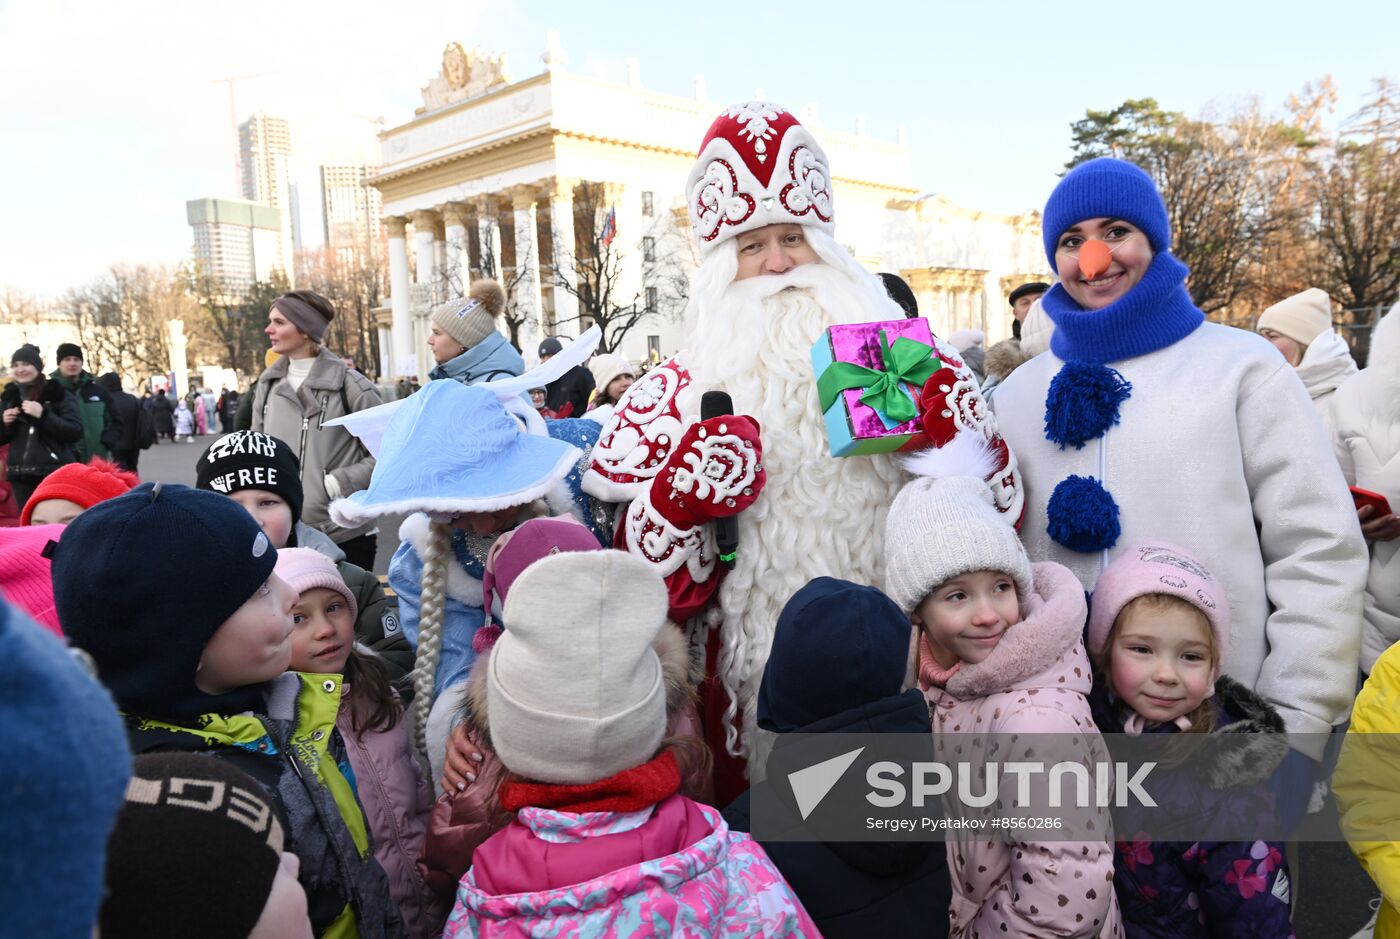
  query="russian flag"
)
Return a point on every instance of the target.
[{"x": 610, "y": 227}]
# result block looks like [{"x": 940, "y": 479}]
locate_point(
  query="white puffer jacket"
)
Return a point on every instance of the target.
[
  {"x": 1325, "y": 365},
  {"x": 1220, "y": 451},
  {"x": 1366, "y": 438}
]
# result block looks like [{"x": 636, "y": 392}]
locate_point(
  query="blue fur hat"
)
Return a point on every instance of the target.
[
  {"x": 454, "y": 448},
  {"x": 64, "y": 774},
  {"x": 1106, "y": 188}
]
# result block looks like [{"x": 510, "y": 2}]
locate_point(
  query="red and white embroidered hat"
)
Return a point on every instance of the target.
[{"x": 757, "y": 166}]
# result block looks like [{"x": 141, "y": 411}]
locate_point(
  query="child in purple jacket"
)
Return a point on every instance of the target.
[{"x": 1159, "y": 630}]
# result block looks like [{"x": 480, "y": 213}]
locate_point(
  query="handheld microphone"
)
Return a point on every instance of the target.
[{"x": 719, "y": 404}]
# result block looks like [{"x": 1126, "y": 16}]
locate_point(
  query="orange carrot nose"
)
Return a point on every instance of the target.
[{"x": 1094, "y": 258}]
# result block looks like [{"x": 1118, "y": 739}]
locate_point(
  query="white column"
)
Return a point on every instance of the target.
[
  {"x": 488, "y": 232},
  {"x": 441, "y": 292},
  {"x": 561, "y": 226},
  {"x": 402, "y": 330},
  {"x": 527, "y": 264},
  {"x": 627, "y": 246},
  {"x": 458, "y": 275},
  {"x": 424, "y": 248}
]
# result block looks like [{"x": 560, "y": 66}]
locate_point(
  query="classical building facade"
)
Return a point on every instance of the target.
[{"x": 528, "y": 179}]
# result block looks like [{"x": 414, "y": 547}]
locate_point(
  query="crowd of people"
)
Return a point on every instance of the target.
[{"x": 615, "y": 594}]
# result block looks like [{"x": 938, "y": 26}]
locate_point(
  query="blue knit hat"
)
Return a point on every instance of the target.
[
  {"x": 1106, "y": 188},
  {"x": 63, "y": 775},
  {"x": 454, "y": 448},
  {"x": 143, "y": 581},
  {"x": 853, "y": 636}
]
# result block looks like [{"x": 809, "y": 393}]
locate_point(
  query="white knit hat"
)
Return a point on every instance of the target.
[
  {"x": 945, "y": 524},
  {"x": 606, "y": 366},
  {"x": 574, "y": 688},
  {"x": 1302, "y": 317}
]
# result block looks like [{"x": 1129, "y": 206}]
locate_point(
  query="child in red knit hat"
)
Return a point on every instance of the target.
[{"x": 73, "y": 488}]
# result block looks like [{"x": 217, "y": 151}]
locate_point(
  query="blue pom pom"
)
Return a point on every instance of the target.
[
  {"x": 1082, "y": 515},
  {"x": 1082, "y": 403}
]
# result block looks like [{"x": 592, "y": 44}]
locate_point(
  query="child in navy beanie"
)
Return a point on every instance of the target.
[
  {"x": 1147, "y": 424},
  {"x": 172, "y": 592},
  {"x": 841, "y": 660},
  {"x": 65, "y": 768}
]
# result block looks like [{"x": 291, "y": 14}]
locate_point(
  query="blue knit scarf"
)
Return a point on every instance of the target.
[{"x": 1155, "y": 313}]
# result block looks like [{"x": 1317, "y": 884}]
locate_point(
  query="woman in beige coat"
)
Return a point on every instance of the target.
[{"x": 294, "y": 398}]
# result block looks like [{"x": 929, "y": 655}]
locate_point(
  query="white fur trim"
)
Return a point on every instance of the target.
[
  {"x": 350, "y": 514},
  {"x": 967, "y": 454},
  {"x": 461, "y": 586}
]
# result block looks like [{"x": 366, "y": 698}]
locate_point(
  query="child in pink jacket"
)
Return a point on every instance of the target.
[
  {"x": 391, "y": 788},
  {"x": 467, "y": 813},
  {"x": 602, "y": 842},
  {"x": 1002, "y": 654}
]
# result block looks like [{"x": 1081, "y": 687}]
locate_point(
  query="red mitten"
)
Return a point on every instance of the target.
[{"x": 715, "y": 471}]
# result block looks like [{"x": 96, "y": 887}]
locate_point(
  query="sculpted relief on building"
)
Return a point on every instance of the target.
[{"x": 464, "y": 75}]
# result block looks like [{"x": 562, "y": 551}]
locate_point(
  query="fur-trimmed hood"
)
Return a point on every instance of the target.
[
  {"x": 1257, "y": 742},
  {"x": 1003, "y": 358},
  {"x": 1044, "y": 650},
  {"x": 1384, "y": 357},
  {"x": 678, "y": 670}
]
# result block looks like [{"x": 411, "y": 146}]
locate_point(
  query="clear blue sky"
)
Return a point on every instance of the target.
[{"x": 112, "y": 118}]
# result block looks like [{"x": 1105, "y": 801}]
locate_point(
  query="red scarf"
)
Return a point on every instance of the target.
[{"x": 629, "y": 791}]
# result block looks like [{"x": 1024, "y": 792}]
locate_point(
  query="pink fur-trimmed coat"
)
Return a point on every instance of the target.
[{"x": 1034, "y": 682}]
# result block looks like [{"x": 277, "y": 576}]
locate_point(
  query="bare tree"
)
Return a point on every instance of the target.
[
  {"x": 1357, "y": 221},
  {"x": 355, "y": 284},
  {"x": 594, "y": 273},
  {"x": 122, "y": 319},
  {"x": 237, "y": 317},
  {"x": 491, "y": 264},
  {"x": 1225, "y": 182}
]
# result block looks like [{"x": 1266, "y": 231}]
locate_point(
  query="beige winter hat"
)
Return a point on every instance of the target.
[
  {"x": 474, "y": 318},
  {"x": 944, "y": 523},
  {"x": 1302, "y": 317},
  {"x": 574, "y": 688},
  {"x": 606, "y": 366}
]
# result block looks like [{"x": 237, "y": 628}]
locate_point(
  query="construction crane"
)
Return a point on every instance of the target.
[{"x": 233, "y": 127}]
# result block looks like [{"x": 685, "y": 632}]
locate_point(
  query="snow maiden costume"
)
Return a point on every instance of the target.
[
  {"x": 1147, "y": 422},
  {"x": 448, "y": 450}
]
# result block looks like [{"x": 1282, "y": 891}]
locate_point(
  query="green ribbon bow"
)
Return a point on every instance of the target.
[{"x": 908, "y": 360}]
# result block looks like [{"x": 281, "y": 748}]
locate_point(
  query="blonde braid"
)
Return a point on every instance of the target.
[{"x": 432, "y": 606}]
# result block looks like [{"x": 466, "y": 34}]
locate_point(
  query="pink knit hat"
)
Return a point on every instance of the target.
[
  {"x": 516, "y": 550},
  {"x": 306, "y": 569},
  {"x": 24, "y": 572},
  {"x": 1158, "y": 568}
]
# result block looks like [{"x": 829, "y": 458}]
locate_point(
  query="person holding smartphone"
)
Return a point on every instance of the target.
[{"x": 1366, "y": 438}]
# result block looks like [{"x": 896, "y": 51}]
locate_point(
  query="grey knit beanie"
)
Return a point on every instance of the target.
[
  {"x": 945, "y": 524},
  {"x": 472, "y": 320},
  {"x": 574, "y": 688}
]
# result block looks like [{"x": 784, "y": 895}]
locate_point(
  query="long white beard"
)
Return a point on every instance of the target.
[{"x": 818, "y": 515}]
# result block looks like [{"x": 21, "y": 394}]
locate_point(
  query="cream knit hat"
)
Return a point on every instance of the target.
[
  {"x": 1302, "y": 317},
  {"x": 473, "y": 319},
  {"x": 573, "y": 687},
  {"x": 945, "y": 523},
  {"x": 605, "y": 367}
]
